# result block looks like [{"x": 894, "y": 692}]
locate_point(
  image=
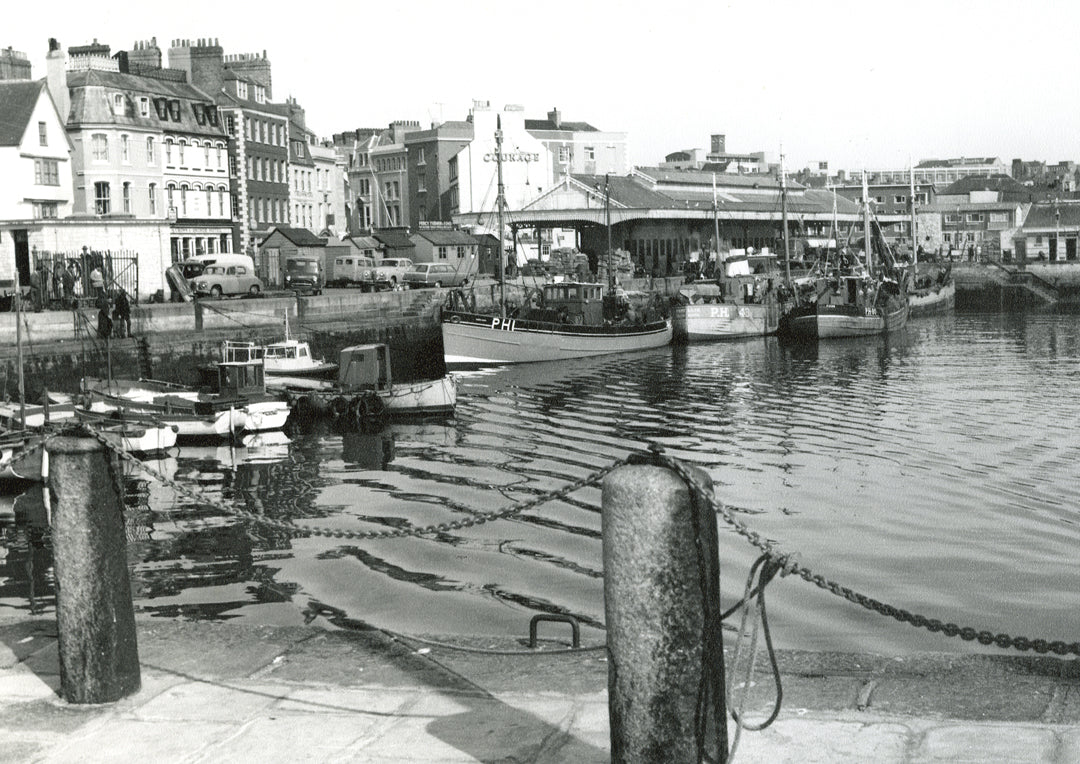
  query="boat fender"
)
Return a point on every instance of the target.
[
  {"x": 339, "y": 406},
  {"x": 367, "y": 410}
]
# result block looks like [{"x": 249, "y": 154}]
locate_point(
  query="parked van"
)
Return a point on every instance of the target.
[
  {"x": 224, "y": 275},
  {"x": 304, "y": 274},
  {"x": 354, "y": 270}
]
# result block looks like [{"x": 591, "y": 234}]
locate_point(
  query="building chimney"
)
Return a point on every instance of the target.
[
  {"x": 56, "y": 78},
  {"x": 555, "y": 118}
]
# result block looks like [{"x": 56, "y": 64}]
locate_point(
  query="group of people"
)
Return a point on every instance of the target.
[
  {"x": 114, "y": 307},
  {"x": 114, "y": 314}
]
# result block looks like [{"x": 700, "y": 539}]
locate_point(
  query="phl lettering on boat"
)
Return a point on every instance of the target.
[{"x": 507, "y": 324}]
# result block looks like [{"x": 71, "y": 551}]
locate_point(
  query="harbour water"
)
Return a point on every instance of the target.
[{"x": 933, "y": 470}]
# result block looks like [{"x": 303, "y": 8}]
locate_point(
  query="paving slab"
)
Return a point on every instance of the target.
[{"x": 228, "y": 692}]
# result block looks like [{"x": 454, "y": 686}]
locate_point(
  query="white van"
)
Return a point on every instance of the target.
[
  {"x": 224, "y": 274},
  {"x": 353, "y": 270}
]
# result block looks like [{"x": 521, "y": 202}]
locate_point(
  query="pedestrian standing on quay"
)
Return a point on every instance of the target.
[
  {"x": 104, "y": 323},
  {"x": 97, "y": 282},
  {"x": 35, "y": 290},
  {"x": 67, "y": 281},
  {"x": 122, "y": 314}
]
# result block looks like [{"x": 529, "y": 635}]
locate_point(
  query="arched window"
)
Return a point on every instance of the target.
[
  {"x": 151, "y": 152},
  {"x": 168, "y": 150},
  {"x": 183, "y": 199},
  {"x": 153, "y": 198},
  {"x": 221, "y": 201},
  {"x": 180, "y": 149},
  {"x": 209, "y": 206},
  {"x": 170, "y": 197}
]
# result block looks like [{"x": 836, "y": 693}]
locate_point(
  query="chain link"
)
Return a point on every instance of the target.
[
  {"x": 295, "y": 529},
  {"x": 790, "y": 566}
]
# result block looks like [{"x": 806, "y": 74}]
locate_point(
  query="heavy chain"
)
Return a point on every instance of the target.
[
  {"x": 28, "y": 452},
  {"x": 295, "y": 529},
  {"x": 790, "y": 566}
]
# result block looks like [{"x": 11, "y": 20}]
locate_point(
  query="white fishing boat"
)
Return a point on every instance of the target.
[
  {"x": 141, "y": 435},
  {"x": 289, "y": 357},
  {"x": 571, "y": 319},
  {"x": 240, "y": 405},
  {"x": 741, "y": 303},
  {"x": 365, "y": 392}
]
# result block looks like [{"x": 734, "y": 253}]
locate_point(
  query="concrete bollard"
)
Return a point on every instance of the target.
[
  {"x": 99, "y": 655},
  {"x": 656, "y": 623}
]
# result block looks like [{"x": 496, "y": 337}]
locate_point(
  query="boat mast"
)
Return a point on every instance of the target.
[
  {"x": 18, "y": 350},
  {"x": 607, "y": 222},
  {"x": 784, "y": 221},
  {"x": 866, "y": 224},
  {"x": 716, "y": 227},
  {"x": 914, "y": 236},
  {"x": 500, "y": 200}
]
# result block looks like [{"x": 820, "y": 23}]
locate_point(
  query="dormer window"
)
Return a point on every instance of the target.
[
  {"x": 260, "y": 94},
  {"x": 162, "y": 107},
  {"x": 174, "y": 109},
  {"x": 200, "y": 113},
  {"x": 241, "y": 89},
  {"x": 144, "y": 106},
  {"x": 212, "y": 115}
]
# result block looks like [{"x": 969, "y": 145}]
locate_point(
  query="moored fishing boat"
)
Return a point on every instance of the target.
[
  {"x": 741, "y": 304},
  {"x": 365, "y": 393},
  {"x": 565, "y": 320},
  {"x": 241, "y": 402},
  {"x": 569, "y": 320},
  {"x": 933, "y": 293},
  {"x": 858, "y": 298},
  {"x": 289, "y": 357}
]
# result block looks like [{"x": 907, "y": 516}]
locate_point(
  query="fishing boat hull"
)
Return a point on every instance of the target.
[
  {"x": 707, "y": 322},
  {"x": 314, "y": 371},
  {"x": 15, "y": 465},
  {"x": 937, "y": 299},
  {"x": 262, "y": 416},
  {"x": 474, "y": 340},
  {"x": 826, "y": 321},
  {"x": 37, "y": 416},
  {"x": 142, "y": 435},
  {"x": 403, "y": 399},
  {"x": 188, "y": 424},
  {"x": 430, "y": 396}
]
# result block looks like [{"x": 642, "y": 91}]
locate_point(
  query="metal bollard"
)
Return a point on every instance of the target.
[
  {"x": 99, "y": 655},
  {"x": 656, "y": 625}
]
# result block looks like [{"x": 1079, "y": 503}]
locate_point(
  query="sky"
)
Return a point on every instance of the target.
[{"x": 862, "y": 85}]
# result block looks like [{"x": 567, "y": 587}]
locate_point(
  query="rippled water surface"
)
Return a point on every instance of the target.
[{"x": 934, "y": 470}]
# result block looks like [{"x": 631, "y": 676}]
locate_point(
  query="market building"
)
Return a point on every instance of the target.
[{"x": 664, "y": 219}]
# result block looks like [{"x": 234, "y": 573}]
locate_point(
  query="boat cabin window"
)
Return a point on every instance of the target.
[{"x": 237, "y": 378}]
